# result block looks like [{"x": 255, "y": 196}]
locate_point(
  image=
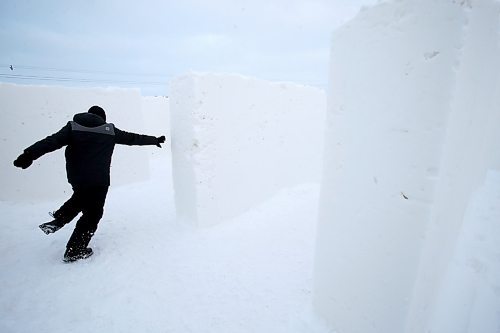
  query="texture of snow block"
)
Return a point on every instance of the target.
[
  {"x": 471, "y": 149},
  {"x": 237, "y": 140},
  {"x": 412, "y": 129},
  {"x": 30, "y": 113},
  {"x": 467, "y": 299}
]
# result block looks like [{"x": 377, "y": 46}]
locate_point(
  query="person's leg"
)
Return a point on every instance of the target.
[
  {"x": 68, "y": 211},
  {"x": 93, "y": 199}
]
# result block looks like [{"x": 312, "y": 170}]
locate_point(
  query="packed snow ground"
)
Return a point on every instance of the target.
[{"x": 151, "y": 273}]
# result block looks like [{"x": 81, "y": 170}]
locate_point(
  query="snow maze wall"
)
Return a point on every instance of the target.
[
  {"x": 412, "y": 132},
  {"x": 30, "y": 113},
  {"x": 236, "y": 141}
]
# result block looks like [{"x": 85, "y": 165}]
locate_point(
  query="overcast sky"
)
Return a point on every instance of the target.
[{"x": 146, "y": 43}]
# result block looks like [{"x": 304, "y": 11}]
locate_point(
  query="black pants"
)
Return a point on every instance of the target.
[{"x": 90, "y": 202}]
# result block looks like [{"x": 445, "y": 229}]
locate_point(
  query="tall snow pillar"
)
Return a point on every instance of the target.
[
  {"x": 471, "y": 149},
  {"x": 396, "y": 113}
]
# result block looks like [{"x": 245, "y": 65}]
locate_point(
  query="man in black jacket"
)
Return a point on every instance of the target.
[{"x": 89, "y": 142}]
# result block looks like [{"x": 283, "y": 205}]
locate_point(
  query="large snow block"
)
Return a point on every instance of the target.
[
  {"x": 30, "y": 113},
  {"x": 413, "y": 107},
  {"x": 237, "y": 140},
  {"x": 470, "y": 151}
]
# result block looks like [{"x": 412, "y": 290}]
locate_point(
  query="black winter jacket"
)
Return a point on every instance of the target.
[{"x": 90, "y": 143}]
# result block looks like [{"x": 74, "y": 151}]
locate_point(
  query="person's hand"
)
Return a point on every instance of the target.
[
  {"x": 23, "y": 161},
  {"x": 160, "y": 139}
]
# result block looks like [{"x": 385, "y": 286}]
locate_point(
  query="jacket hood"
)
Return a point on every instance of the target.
[{"x": 88, "y": 119}]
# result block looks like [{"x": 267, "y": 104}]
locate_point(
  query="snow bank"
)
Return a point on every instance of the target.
[
  {"x": 30, "y": 113},
  {"x": 413, "y": 120},
  {"x": 236, "y": 141}
]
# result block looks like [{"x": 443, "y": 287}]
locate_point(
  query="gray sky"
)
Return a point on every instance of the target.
[{"x": 146, "y": 43}]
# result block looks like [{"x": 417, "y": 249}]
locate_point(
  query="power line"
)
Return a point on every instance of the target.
[
  {"x": 79, "y": 80},
  {"x": 81, "y": 71},
  {"x": 69, "y": 78}
]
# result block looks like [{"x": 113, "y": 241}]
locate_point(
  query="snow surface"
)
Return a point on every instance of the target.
[
  {"x": 237, "y": 140},
  {"x": 413, "y": 119},
  {"x": 152, "y": 274}
]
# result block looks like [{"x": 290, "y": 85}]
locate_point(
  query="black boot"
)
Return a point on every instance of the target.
[
  {"x": 74, "y": 255},
  {"x": 54, "y": 225}
]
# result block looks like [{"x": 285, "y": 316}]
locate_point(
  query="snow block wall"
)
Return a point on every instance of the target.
[
  {"x": 30, "y": 113},
  {"x": 412, "y": 130},
  {"x": 237, "y": 140}
]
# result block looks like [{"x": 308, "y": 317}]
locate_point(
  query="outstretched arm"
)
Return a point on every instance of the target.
[
  {"x": 44, "y": 146},
  {"x": 133, "y": 139}
]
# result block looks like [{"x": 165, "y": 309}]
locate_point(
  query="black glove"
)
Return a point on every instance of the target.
[
  {"x": 23, "y": 161},
  {"x": 159, "y": 140}
]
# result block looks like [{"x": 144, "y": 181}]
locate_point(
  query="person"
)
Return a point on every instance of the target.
[{"x": 89, "y": 142}]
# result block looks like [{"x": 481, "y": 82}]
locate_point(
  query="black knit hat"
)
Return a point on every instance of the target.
[{"x": 97, "y": 110}]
